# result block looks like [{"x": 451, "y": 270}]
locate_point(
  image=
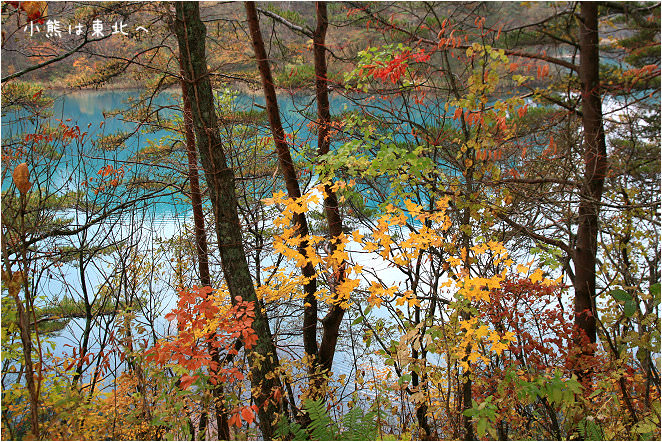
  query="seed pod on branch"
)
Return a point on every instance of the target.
[{"x": 21, "y": 177}]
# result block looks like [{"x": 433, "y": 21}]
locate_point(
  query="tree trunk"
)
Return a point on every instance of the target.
[
  {"x": 14, "y": 280},
  {"x": 196, "y": 196},
  {"x": 291, "y": 182},
  {"x": 321, "y": 359},
  {"x": 595, "y": 163},
  {"x": 191, "y": 33},
  {"x": 465, "y": 240},
  {"x": 331, "y": 322},
  {"x": 202, "y": 254}
]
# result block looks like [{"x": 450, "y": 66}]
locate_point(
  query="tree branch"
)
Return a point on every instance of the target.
[
  {"x": 52, "y": 60},
  {"x": 308, "y": 33},
  {"x": 554, "y": 60},
  {"x": 531, "y": 234}
]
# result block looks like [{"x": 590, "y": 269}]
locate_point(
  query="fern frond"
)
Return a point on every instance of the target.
[{"x": 321, "y": 426}]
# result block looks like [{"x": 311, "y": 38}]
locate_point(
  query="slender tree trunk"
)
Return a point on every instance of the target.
[
  {"x": 595, "y": 164},
  {"x": 88, "y": 317},
  {"x": 291, "y": 181},
  {"x": 466, "y": 394},
  {"x": 196, "y": 195},
  {"x": 191, "y": 34},
  {"x": 321, "y": 359},
  {"x": 421, "y": 409},
  {"x": 465, "y": 240},
  {"x": 14, "y": 280},
  {"x": 332, "y": 320},
  {"x": 202, "y": 254}
]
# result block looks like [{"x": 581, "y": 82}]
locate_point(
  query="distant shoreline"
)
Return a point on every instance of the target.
[{"x": 239, "y": 86}]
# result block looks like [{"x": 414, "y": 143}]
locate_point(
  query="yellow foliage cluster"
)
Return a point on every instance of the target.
[
  {"x": 477, "y": 335},
  {"x": 389, "y": 240}
]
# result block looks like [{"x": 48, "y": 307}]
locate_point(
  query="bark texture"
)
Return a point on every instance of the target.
[
  {"x": 288, "y": 170},
  {"x": 595, "y": 167},
  {"x": 331, "y": 322},
  {"x": 202, "y": 254},
  {"x": 263, "y": 359},
  {"x": 322, "y": 357}
]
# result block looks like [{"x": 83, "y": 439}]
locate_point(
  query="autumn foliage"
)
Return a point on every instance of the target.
[{"x": 458, "y": 180}]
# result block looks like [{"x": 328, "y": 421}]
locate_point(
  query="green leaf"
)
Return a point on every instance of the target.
[
  {"x": 482, "y": 426},
  {"x": 621, "y": 295},
  {"x": 630, "y": 308},
  {"x": 655, "y": 291},
  {"x": 557, "y": 395},
  {"x": 357, "y": 320}
]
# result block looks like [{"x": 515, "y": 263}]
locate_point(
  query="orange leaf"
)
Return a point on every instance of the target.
[
  {"x": 552, "y": 145},
  {"x": 248, "y": 415},
  {"x": 235, "y": 420},
  {"x": 185, "y": 381}
]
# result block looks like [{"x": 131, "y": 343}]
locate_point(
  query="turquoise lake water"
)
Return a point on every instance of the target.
[{"x": 161, "y": 217}]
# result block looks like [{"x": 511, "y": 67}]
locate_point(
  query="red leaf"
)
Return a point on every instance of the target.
[{"x": 185, "y": 381}]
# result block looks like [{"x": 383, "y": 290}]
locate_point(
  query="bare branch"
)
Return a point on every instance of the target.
[
  {"x": 52, "y": 60},
  {"x": 308, "y": 33},
  {"x": 531, "y": 234}
]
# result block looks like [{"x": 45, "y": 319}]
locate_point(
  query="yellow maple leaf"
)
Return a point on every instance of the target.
[
  {"x": 536, "y": 276},
  {"x": 346, "y": 287},
  {"x": 413, "y": 208},
  {"x": 277, "y": 198},
  {"x": 279, "y": 246},
  {"x": 357, "y": 236},
  {"x": 498, "y": 347},
  {"x": 479, "y": 249},
  {"x": 496, "y": 247},
  {"x": 339, "y": 255},
  {"x": 374, "y": 300},
  {"x": 453, "y": 261},
  {"x": 400, "y": 260},
  {"x": 413, "y": 302},
  {"x": 482, "y": 331},
  {"x": 474, "y": 356}
]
